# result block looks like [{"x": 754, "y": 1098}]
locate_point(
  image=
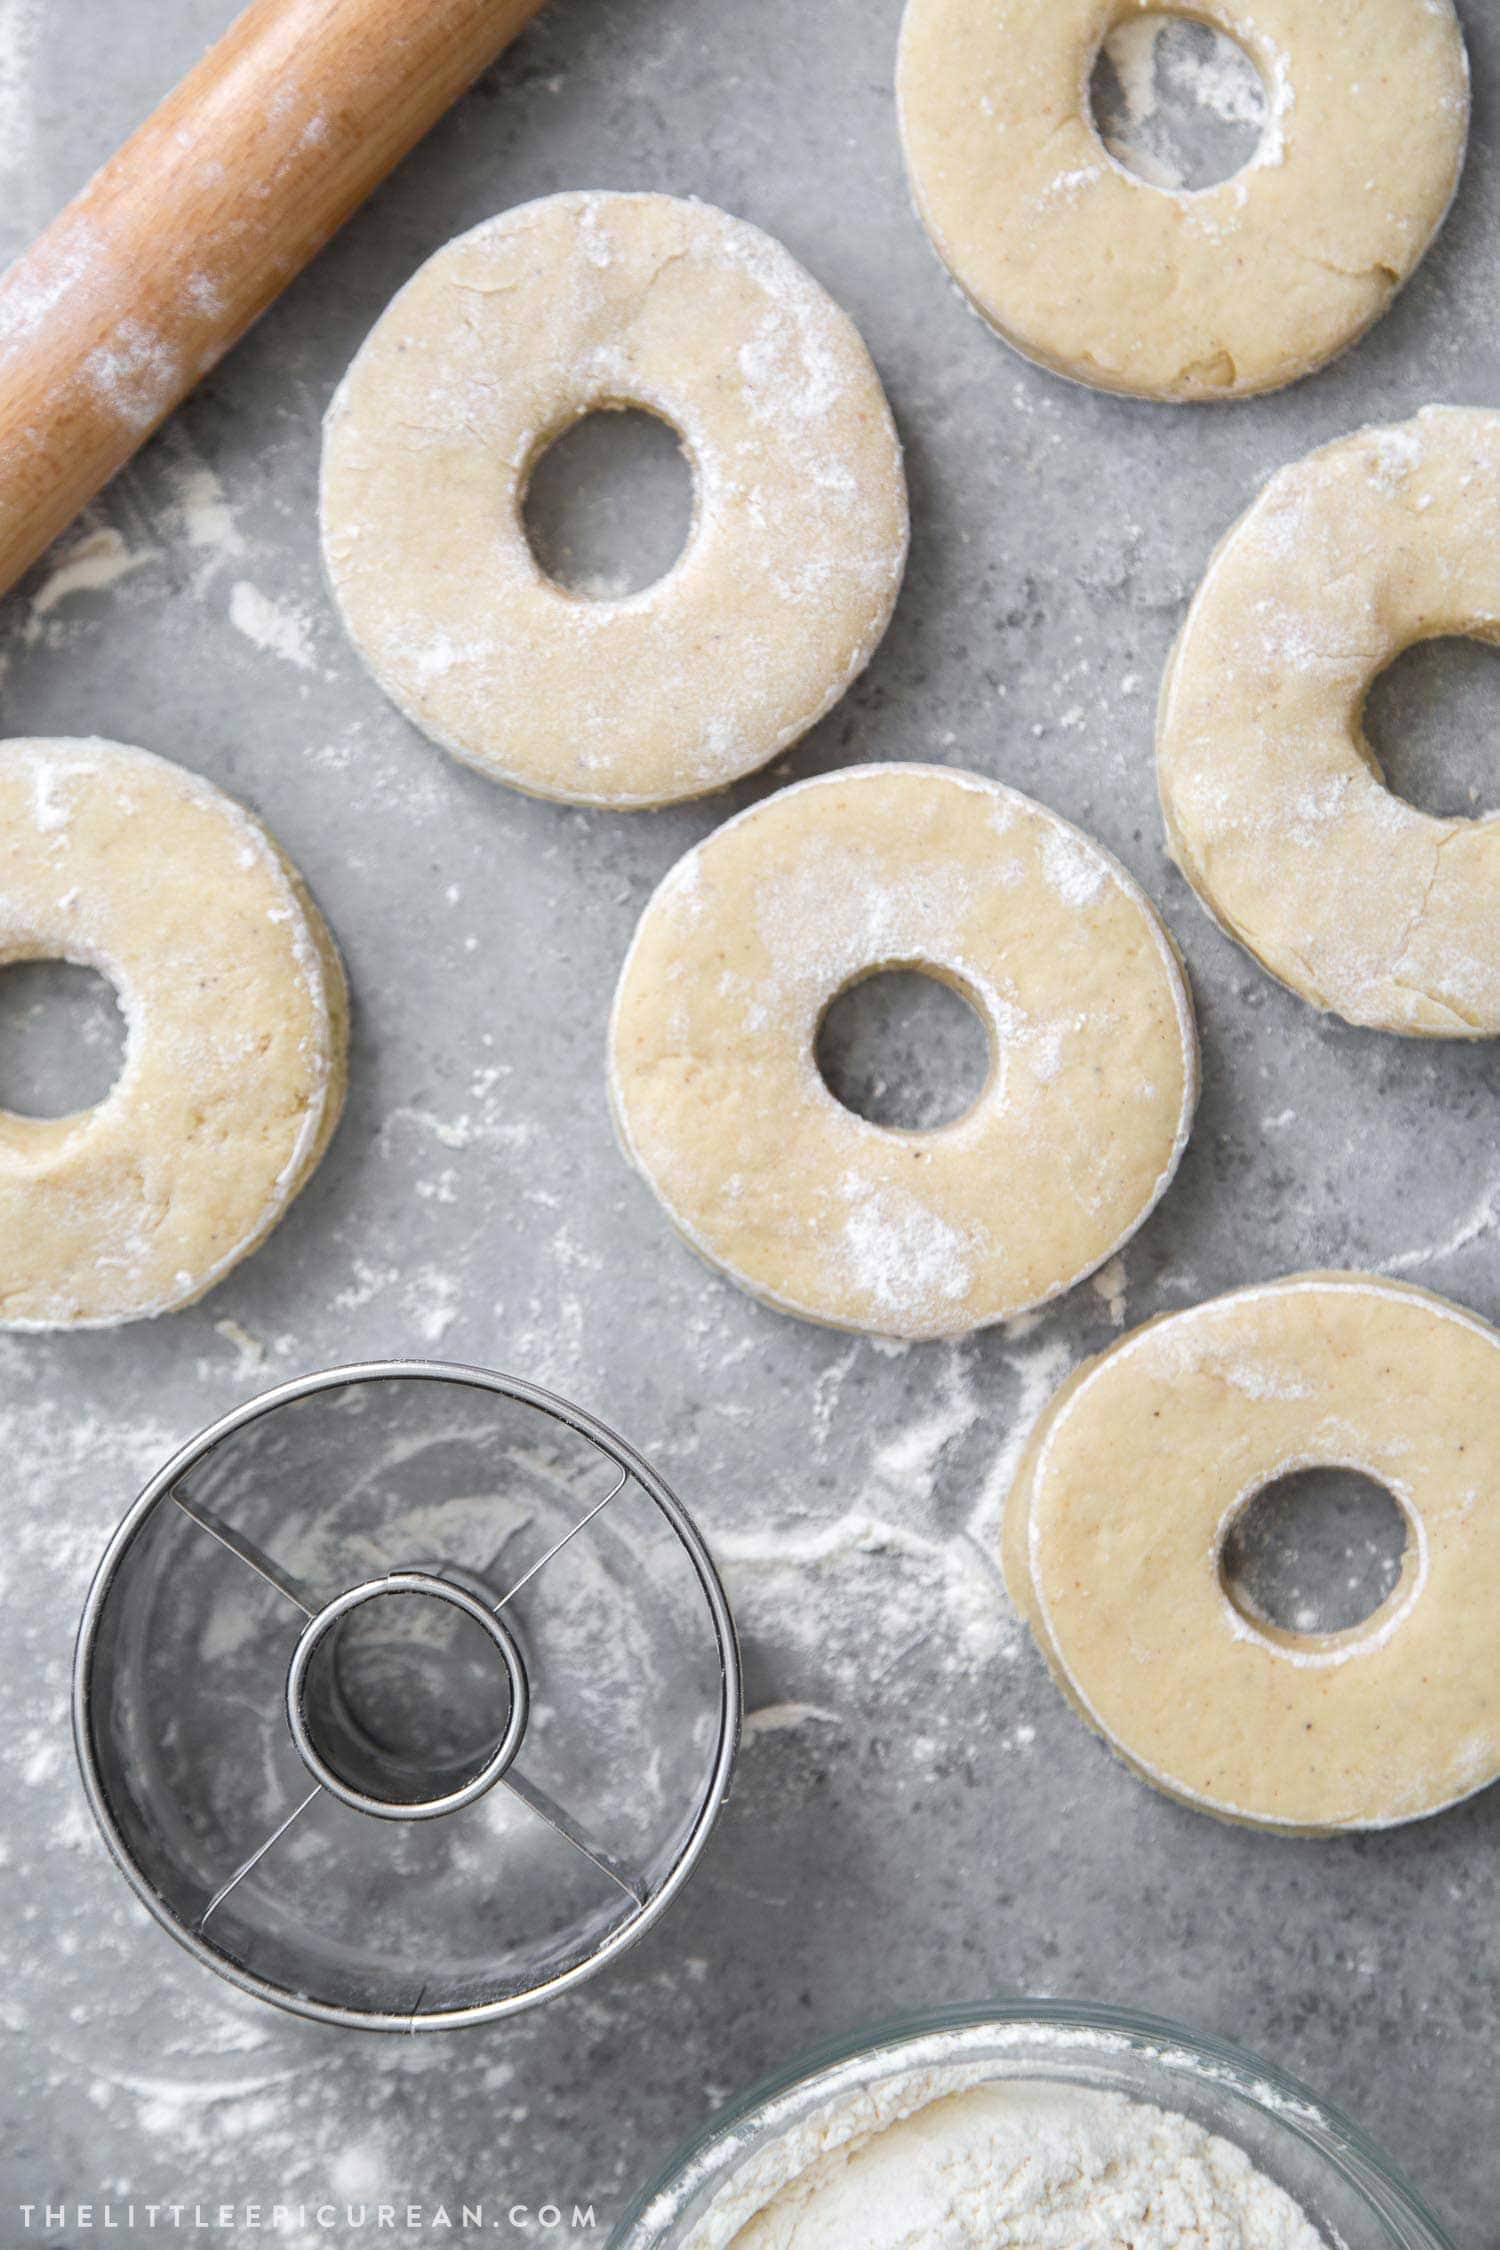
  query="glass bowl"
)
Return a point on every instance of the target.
[{"x": 1354, "y": 2196}]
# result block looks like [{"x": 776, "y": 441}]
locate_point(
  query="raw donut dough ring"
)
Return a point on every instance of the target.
[
  {"x": 1115, "y": 1527},
  {"x": 1275, "y": 806},
  {"x": 236, "y": 1031},
  {"x": 1174, "y": 294},
  {"x": 499, "y": 344},
  {"x": 717, "y": 1097}
]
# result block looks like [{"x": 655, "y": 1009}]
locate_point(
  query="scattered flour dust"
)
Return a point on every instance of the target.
[
  {"x": 782, "y": 1718},
  {"x": 860, "y": 1594},
  {"x": 276, "y": 627},
  {"x": 92, "y": 564},
  {"x": 207, "y": 519},
  {"x": 1477, "y": 1226},
  {"x": 906, "y": 1571},
  {"x": 942, "y": 2158},
  {"x": 197, "y": 526},
  {"x": 250, "y": 1351},
  {"x": 201, "y": 511},
  {"x": 433, "y": 1301},
  {"x": 1110, "y": 1287}
]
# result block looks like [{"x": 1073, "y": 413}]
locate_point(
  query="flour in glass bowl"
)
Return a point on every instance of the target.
[{"x": 942, "y": 2160}]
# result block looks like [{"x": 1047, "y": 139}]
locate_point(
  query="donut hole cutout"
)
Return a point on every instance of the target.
[
  {"x": 608, "y": 507},
  {"x": 1177, "y": 102},
  {"x": 1315, "y": 1553},
  {"x": 1430, "y": 721},
  {"x": 904, "y": 1047},
  {"x": 406, "y": 1698},
  {"x": 62, "y": 1038}
]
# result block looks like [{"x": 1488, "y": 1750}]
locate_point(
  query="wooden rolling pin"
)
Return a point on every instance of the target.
[{"x": 201, "y": 220}]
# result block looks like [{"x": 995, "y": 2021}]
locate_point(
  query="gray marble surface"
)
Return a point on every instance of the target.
[{"x": 920, "y": 1820}]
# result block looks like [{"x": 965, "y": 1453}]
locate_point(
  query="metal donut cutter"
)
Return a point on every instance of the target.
[{"x": 406, "y": 1696}]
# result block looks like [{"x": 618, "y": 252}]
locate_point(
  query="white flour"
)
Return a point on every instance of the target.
[
  {"x": 1014, "y": 2165},
  {"x": 273, "y": 626},
  {"x": 90, "y": 565}
]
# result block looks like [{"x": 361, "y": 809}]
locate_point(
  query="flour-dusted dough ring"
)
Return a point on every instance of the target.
[
  {"x": 498, "y": 344},
  {"x": 718, "y": 1100},
  {"x": 236, "y": 1031},
  {"x": 1132, "y": 1479},
  {"x": 1175, "y": 294},
  {"x": 1274, "y": 802}
]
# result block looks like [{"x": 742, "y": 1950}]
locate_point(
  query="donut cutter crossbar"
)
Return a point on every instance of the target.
[{"x": 406, "y": 1696}]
